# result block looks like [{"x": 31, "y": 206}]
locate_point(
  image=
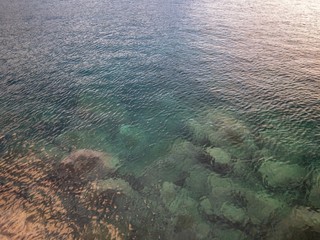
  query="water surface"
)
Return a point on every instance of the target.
[{"x": 210, "y": 109}]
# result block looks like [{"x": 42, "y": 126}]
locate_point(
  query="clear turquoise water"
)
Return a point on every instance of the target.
[{"x": 158, "y": 85}]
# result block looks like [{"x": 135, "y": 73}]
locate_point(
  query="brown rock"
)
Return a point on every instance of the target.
[{"x": 87, "y": 164}]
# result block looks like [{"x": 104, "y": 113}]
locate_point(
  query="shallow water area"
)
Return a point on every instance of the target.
[{"x": 159, "y": 119}]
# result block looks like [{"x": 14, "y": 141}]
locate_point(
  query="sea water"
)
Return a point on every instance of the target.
[{"x": 209, "y": 111}]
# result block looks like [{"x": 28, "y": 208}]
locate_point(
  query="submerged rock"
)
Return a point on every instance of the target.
[
  {"x": 196, "y": 181},
  {"x": 232, "y": 213},
  {"x": 184, "y": 154},
  {"x": 314, "y": 196},
  {"x": 199, "y": 133},
  {"x": 108, "y": 196},
  {"x": 261, "y": 207},
  {"x": 184, "y": 204},
  {"x": 169, "y": 192},
  {"x": 186, "y": 219},
  {"x": 119, "y": 185},
  {"x": 229, "y": 130},
  {"x": 219, "y": 155},
  {"x": 222, "y": 162},
  {"x": 178, "y": 166},
  {"x": 301, "y": 224},
  {"x": 282, "y": 175},
  {"x": 241, "y": 169},
  {"x": 221, "y": 129},
  {"x": 102, "y": 231},
  {"x": 87, "y": 164},
  {"x": 237, "y": 204},
  {"x": 228, "y": 234},
  {"x": 222, "y": 204},
  {"x": 177, "y": 200},
  {"x": 205, "y": 206},
  {"x": 203, "y": 231},
  {"x": 221, "y": 187}
]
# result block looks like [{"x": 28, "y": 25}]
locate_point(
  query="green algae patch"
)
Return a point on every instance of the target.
[
  {"x": 219, "y": 155},
  {"x": 314, "y": 196},
  {"x": 282, "y": 175}
]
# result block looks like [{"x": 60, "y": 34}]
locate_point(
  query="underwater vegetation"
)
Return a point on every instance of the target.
[{"x": 215, "y": 182}]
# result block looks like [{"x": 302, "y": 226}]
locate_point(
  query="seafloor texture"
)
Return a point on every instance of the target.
[{"x": 160, "y": 119}]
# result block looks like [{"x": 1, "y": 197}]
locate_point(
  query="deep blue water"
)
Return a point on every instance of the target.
[{"x": 158, "y": 85}]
